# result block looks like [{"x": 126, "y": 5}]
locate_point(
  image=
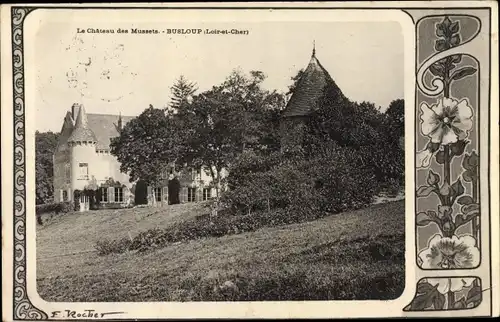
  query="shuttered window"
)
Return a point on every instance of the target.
[
  {"x": 111, "y": 194},
  {"x": 104, "y": 195}
]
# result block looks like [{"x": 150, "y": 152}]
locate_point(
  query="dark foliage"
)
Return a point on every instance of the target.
[
  {"x": 45, "y": 145},
  {"x": 141, "y": 193},
  {"x": 55, "y": 208},
  {"x": 174, "y": 187},
  {"x": 145, "y": 145}
]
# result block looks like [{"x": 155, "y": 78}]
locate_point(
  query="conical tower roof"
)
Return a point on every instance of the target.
[
  {"x": 82, "y": 131},
  {"x": 309, "y": 89}
]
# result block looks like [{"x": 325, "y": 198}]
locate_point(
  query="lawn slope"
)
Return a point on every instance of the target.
[{"x": 354, "y": 255}]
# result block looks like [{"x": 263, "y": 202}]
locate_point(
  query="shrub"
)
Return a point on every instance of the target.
[
  {"x": 105, "y": 246},
  {"x": 56, "y": 207},
  {"x": 334, "y": 180}
]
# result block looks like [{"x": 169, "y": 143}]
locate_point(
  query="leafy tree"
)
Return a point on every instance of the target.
[
  {"x": 182, "y": 92},
  {"x": 360, "y": 126},
  {"x": 45, "y": 145},
  {"x": 221, "y": 123},
  {"x": 145, "y": 145},
  {"x": 396, "y": 118}
]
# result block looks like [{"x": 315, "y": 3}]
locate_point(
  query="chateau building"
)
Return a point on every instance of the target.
[{"x": 82, "y": 160}]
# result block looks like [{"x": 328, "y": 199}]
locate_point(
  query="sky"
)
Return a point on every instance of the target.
[{"x": 124, "y": 73}]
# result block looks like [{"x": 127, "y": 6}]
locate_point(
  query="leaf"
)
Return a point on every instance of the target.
[
  {"x": 455, "y": 40},
  {"x": 468, "y": 176},
  {"x": 465, "y": 200},
  {"x": 456, "y": 58},
  {"x": 458, "y": 147},
  {"x": 423, "y": 219},
  {"x": 438, "y": 302},
  {"x": 471, "y": 209},
  {"x": 460, "y": 304},
  {"x": 474, "y": 295},
  {"x": 439, "y": 30},
  {"x": 440, "y": 157},
  {"x": 436, "y": 70},
  {"x": 424, "y": 287},
  {"x": 424, "y": 191},
  {"x": 463, "y": 72},
  {"x": 446, "y": 22},
  {"x": 423, "y": 301},
  {"x": 457, "y": 188},
  {"x": 432, "y": 178},
  {"x": 441, "y": 45},
  {"x": 454, "y": 27}
]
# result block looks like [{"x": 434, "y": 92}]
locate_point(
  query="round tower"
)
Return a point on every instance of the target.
[{"x": 82, "y": 143}]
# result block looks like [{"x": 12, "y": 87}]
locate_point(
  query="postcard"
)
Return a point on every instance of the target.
[{"x": 250, "y": 160}]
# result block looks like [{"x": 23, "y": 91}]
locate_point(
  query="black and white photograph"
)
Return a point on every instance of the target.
[{"x": 226, "y": 162}]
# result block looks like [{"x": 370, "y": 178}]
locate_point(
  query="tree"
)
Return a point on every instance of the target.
[
  {"x": 182, "y": 92},
  {"x": 145, "y": 145},
  {"x": 221, "y": 123},
  {"x": 396, "y": 118},
  {"x": 45, "y": 145}
]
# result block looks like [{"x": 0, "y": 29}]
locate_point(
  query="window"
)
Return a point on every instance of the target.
[
  {"x": 64, "y": 196},
  {"x": 158, "y": 194},
  {"x": 191, "y": 194},
  {"x": 83, "y": 171},
  {"x": 118, "y": 194},
  {"x": 104, "y": 195},
  {"x": 207, "y": 193}
]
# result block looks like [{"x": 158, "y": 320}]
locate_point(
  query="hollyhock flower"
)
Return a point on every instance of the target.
[
  {"x": 454, "y": 284},
  {"x": 450, "y": 253},
  {"x": 447, "y": 121}
]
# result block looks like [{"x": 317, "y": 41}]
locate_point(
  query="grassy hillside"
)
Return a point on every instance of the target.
[{"x": 354, "y": 255}]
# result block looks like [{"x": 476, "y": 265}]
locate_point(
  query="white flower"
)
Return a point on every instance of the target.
[
  {"x": 447, "y": 121},
  {"x": 450, "y": 253},
  {"x": 454, "y": 284}
]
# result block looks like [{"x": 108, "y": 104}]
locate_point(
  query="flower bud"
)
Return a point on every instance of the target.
[
  {"x": 432, "y": 178},
  {"x": 458, "y": 147},
  {"x": 432, "y": 147},
  {"x": 447, "y": 226}
]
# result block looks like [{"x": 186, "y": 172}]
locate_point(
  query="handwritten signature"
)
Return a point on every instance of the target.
[{"x": 82, "y": 314}]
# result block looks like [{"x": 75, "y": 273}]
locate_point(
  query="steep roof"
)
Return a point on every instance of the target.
[
  {"x": 82, "y": 131},
  {"x": 309, "y": 89},
  {"x": 103, "y": 125}
]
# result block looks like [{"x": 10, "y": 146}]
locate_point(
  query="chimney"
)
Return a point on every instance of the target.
[{"x": 74, "y": 111}]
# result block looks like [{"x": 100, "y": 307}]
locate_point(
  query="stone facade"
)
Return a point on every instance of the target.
[{"x": 82, "y": 160}]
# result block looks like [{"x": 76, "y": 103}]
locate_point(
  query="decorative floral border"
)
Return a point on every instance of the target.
[
  {"x": 23, "y": 308},
  {"x": 448, "y": 123},
  {"x": 447, "y": 293},
  {"x": 433, "y": 293}
]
